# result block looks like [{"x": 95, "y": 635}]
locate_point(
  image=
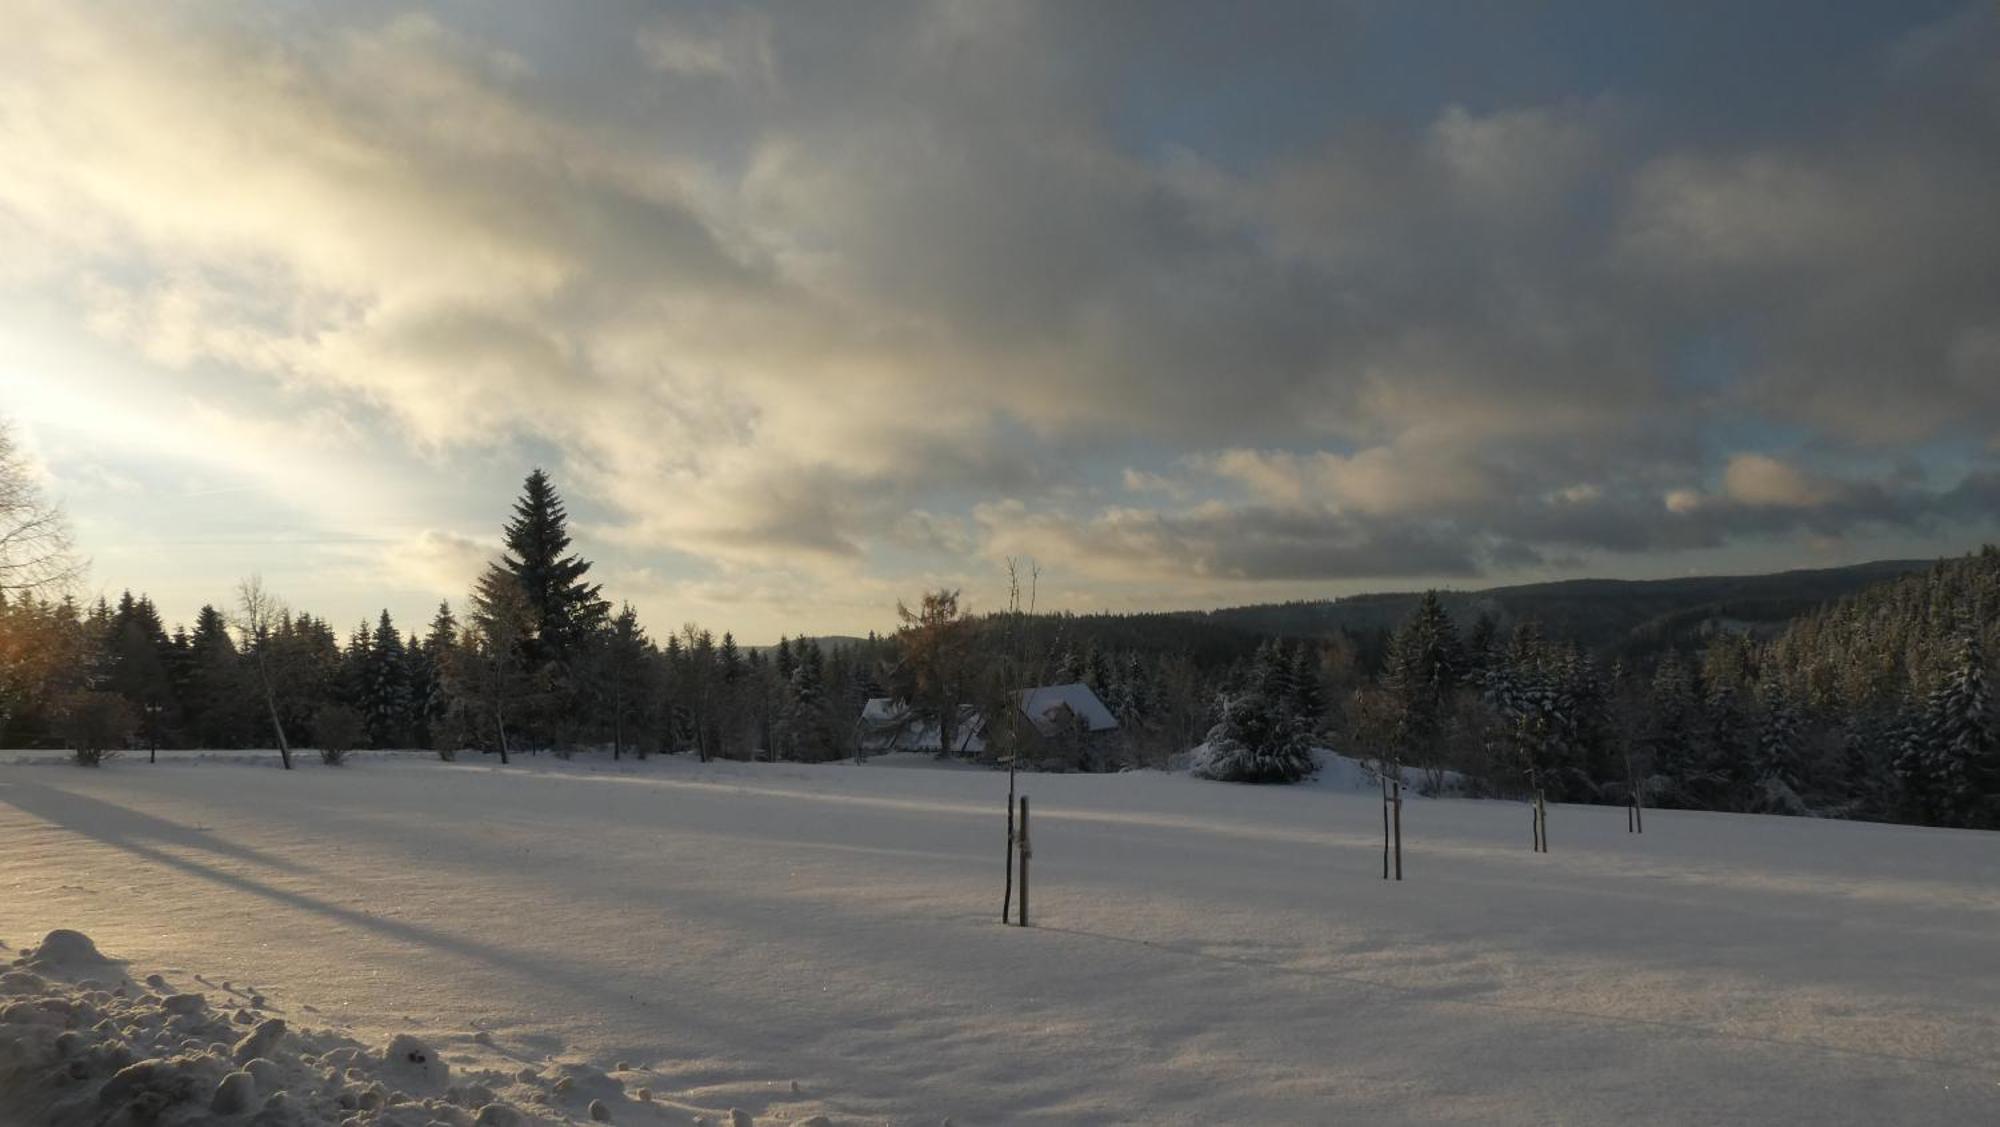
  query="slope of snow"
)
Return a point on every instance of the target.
[
  {"x": 82, "y": 1044},
  {"x": 793, "y": 940}
]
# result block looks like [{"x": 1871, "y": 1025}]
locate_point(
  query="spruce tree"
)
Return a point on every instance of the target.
[
  {"x": 385, "y": 690},
  {"x": 430, "y": 683},
  {"x": 1776, "y": 775},
  {"x": 1424, "y": 666},
  {"x": 1965, "y": 753},
  {"x": 564, "y": 610},
  {"x": 216, "y": 684},
  {"x": 628, "y": 689}
]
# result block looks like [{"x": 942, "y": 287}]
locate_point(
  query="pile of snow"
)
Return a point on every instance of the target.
[
  {"x": 81, "y": 1044},
  {"x": 1362, "y": 776},
  {"x": 1341, "y": 773}
]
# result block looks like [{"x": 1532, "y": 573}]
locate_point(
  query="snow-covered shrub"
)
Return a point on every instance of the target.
[
  {"x": 338, "y": 730},
  {"x": 96, "y": 725},
  {"x": 1256, "y": 742}
]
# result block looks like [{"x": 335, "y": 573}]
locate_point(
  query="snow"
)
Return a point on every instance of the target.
[
  {"x": 786, "y": 941},
  {"x": 82, "y": 1045},
  {"x": 1045, "y": 704},
  {"x": 888, "y": 726}
]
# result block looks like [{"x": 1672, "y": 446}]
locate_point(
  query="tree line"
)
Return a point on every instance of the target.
[{"x": 1874, "y": 706}]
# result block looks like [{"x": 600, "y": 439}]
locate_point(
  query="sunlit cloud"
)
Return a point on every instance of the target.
[{"x": 809, "y": 307}]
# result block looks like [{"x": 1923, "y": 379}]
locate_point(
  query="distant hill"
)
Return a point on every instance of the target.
[
  {"x": 826, "y": 642},
  {"x": 1630, "y": 618},
  {"x": 1608, "y": 616}
]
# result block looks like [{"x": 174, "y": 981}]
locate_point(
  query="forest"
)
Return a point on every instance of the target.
[{"x": 1873, "y": 705}]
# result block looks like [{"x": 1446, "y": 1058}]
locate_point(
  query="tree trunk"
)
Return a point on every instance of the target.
[
  {"x": 617, "y": 720},
  {"x": 1385, "y": 827},
  {"x": 1026, "y": 852},
  {"x": 1398, "y": 801},
  {"x": 1007, "y": 866},
  {"x": 271, "y": 703},
  {"x": 500, "y": 726}
]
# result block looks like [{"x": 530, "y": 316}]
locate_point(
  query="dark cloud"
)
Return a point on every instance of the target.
[{"x": 1355, "y": 291}]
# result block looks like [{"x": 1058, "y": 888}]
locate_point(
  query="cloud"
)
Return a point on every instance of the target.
[
  {"x": 1761, "y": 480},
  {"x": 803, "y": 299}
]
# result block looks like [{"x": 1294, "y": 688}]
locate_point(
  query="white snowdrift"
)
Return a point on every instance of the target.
[{"x": 81, "y": 1045}]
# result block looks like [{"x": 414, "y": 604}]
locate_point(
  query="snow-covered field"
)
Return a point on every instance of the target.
[{"x": 793, "y": 941}]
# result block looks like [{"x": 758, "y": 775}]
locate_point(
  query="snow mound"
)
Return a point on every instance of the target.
[
  {"x": 84, "y": 1052},
  {"x": 65, "y": 948}
]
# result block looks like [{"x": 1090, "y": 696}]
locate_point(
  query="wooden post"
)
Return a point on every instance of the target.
[
  {"x": 1025, "y": 854},
  {"x": 1007, "y": 866},
  {"x": 1398, "y": 800},
  {"x": 1385, "y": 827},
  {"x": 1541, "y": 815}
]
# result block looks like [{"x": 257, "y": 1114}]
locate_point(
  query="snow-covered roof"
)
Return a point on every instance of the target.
[
  {"x": 1042, "y": 704},
  {"x": 888, "y": 725}
]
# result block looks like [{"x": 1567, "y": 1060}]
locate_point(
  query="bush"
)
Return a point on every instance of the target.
[
  {"x": 338, "y": 730},
  {"x": 96, "y": 725},
  {"x": 1255, "y": 743}
]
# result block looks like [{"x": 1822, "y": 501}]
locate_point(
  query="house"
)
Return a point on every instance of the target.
[
  {"x": 888, "y": 724},
  {"x": 1071, "y": 728},
  {"x": 1066, "y": 728}
]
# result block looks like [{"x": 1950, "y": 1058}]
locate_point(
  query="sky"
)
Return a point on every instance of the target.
[{"x": 810, "y": 308}]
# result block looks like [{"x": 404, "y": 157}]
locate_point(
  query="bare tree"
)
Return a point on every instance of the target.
[
  {"x": 35, "y": 548},
  {"x": 258, "y": 613},
  {"x": 935, "y": 673},
  {"x": 1005, "y": 733}
]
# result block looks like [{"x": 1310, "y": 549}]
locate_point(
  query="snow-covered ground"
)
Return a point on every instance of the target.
[{"x": 793, "y": 941}]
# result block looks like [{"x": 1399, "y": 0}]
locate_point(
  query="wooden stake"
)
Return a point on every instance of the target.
[
  {"x": 1398, "y": 791},
  {"x": 1022, "y": 842},
  {"x": 1007, "y": 865},
  {"x": 1385, "y": 827}
]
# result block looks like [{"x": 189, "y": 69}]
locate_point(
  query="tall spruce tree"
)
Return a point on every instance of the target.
[{"x": 563, "y": 610}]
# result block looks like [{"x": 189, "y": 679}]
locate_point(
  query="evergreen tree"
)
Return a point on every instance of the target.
[
  {"x": 1964, "y": 749},
  {"x": 385, "y": 690},
  {"x": 1777, "y": 777},
  {"x": 430, "y": 696},
  {"x": 1256, "y": 741},
  {"x": 563, "y": 610},
  {"x": 629, "y": 684},
  {"x": 1424, "y": 666},
  {"x": 216, "y": 684},
  {"x": 1308, "y": 695},
  {"x": 491, "y": 673},
  {"x": 1672, "y": 732}
]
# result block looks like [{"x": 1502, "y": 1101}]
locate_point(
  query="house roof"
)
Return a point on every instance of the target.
[
  {"x": 888, "y": 725},
  {"x": 1042, "y": 703}
]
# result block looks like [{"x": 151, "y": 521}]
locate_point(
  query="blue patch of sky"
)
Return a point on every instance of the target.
[{"x": 1244, "y": 85}]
